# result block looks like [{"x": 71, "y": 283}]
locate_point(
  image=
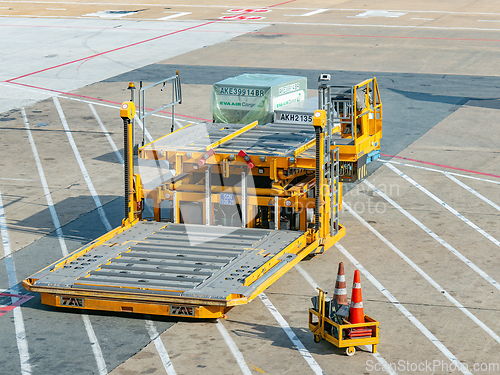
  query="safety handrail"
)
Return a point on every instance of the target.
[{"x": 176, "y": 98}]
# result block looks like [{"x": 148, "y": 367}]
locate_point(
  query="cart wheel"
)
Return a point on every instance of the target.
[
  {"x": 316, "y": 338},
  {"x": 350, "y": 350}
]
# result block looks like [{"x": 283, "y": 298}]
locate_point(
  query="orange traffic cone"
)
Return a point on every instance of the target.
[
  {"x": 340, "y": 294},
  {"x": 356, "y": 313}
]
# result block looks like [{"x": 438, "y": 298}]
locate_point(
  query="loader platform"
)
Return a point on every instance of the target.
[
  {"x": 218, "y": 212},
  {"x": 170, "y": 269}
]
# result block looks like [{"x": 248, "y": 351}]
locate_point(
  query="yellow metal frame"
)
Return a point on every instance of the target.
[
  {"x": 318, "y": 329},
  {"x": 370, "y": 121},
  {"x": 127, "y": 301},
  {"x": 176, "y": 308},
  {"x": 275, "y": 167}
]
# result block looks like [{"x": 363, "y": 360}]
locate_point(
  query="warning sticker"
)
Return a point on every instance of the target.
[
  {"x": 227, "y": 199},
  {"x": 182, "y": 310}
]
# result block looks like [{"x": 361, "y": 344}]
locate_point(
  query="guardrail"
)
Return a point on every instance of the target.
[{"x": 176, "y": 98}]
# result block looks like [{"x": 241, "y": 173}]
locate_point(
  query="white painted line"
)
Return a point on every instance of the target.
[
  {"x": 22, "y": 342},
  {"x": 225, "y": 6},
  {"x": 306, "y": 276},
  {"x": 178, "y": 125},
  {"x": 286, "y": 23},
  {"x": 417, "y": 11},
  {"x": 378, "y": 13},
  {"x": 96, "y": 348},
  {"x": 385, "y": 365},
  {"x": 470, "y": 190},
  {"x": 425, "y": 276},
  {"x": 108, "y": 105},
  {"x": 405, "y": 312},
  {"x": 438, "y": 170},
  {"x": 16, "y": 179},
  {"x": 108, "y": 14},
  {"x": 387, "y": 368},
  {"x": 488, "y": 20},
  {"x": 7, "y": 251},
  {"x": 292, "y": 336},
  {"x": 45, "y": 186},
  {"x": 85, "y": 174},
  {"x": 174, "y": 16},
  {"x": 454, "y": 251},
  {"x": 82, "y": 100},
  {"x": 108, "y": 137},
  {"x": 317, "y": 11},
  {"x": 153, "y": 333},
  {"x": 234, "y": 349},
  {"x": 373, "y": 25},
  {"x": 442, "y": 203},
  {"x": 162, "y": 351},
  {"x": 9, "y": 263}
]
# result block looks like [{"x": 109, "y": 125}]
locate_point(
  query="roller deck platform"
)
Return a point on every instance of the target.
[{"x": 203, "y": 270}]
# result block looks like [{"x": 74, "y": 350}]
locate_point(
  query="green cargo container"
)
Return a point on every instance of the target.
[{"x": 254, "y": 97}]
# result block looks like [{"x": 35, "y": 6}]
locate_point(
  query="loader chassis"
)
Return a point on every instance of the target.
[{"x": 218, "y": 212}]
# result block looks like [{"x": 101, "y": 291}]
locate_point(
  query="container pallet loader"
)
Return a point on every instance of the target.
[{"x": 218, "y": 212}]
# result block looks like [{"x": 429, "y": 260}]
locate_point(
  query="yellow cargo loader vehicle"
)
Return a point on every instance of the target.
[{"x": 217, "y": 212}]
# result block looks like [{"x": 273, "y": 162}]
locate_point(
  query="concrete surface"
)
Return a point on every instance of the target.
[{"x": 437, "y": 67}]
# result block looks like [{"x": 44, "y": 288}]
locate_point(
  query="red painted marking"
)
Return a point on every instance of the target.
[
  {"x": 124, "y": 47},
  {"x": 64, "y": 93},
  {"x": 111, "y": 50},
  {"x": 441, "y": 165},
  {"x": 241, "y": 18},
  {"x": 98, "y": 99},
  {"x": 22, "y": 299},
  {"x": 286, "y": 2}
]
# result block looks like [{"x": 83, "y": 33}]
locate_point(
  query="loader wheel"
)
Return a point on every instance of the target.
[
  {"x": 350, "y": 350},
  {"x": 316, "y": 338}
]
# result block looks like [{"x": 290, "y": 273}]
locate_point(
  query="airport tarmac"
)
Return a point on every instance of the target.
[{"x": 423, "y": 228}]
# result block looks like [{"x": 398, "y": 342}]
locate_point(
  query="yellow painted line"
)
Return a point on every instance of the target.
[{"x": 258, "y": 369}]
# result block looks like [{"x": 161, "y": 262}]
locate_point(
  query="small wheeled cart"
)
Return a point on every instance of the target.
[{"x": 344, "y": 335}]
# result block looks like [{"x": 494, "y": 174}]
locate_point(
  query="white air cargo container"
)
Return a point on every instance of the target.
[
  {"x": 297, "y": 113},
  {"x": 255, "y": 97}
]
